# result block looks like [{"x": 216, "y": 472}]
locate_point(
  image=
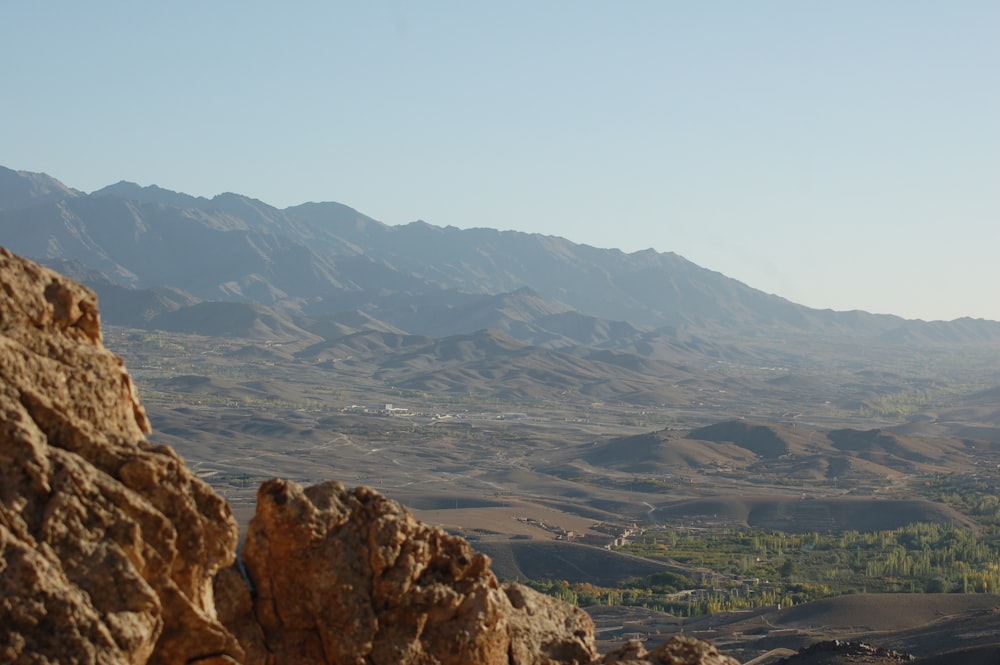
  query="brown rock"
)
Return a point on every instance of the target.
[
  {"x": 108, "y": 545},
  {"x": 544, "y": 629},
  {"x": 675, "y": 651},
  {"x": 351, "y": 577}
]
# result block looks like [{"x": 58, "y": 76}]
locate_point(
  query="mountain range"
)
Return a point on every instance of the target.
[
  {"x": 234, "y": 265},
  {"x": 351, "y": 322}
]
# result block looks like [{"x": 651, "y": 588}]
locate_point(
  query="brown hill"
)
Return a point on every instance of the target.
[
  {"x": 881, "y": 612},
  {"x": 764, "y": 440},
  {"x": 668, "y": 452},
  {"x": 792, "y": 451},
  {"x": 934, "y": 628}
]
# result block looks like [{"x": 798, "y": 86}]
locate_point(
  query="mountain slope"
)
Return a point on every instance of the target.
[
  {"x": 327, "y": 258},
  {"x": 22, "y": 189},
  {"x": 233, "y": 319}
]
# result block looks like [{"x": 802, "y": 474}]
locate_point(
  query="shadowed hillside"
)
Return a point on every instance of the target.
[{"x": 804, "y": 515}]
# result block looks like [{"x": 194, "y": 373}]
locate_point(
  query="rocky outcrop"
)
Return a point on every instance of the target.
[
  {"x": 108, "y": 545},
  {"x": 385, "y": 588},
  {"x": 675, "y": 651},
  {"x": 112, "y": 551}
]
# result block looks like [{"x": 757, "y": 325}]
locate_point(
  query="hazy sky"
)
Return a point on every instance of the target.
[{"x": 840, "y": 154}]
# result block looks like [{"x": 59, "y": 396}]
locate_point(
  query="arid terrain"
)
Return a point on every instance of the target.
[{"x": 546, "y": 486}]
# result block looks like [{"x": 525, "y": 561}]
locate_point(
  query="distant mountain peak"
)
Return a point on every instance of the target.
[
  {"x": 421, "y": 224},
  {"x": 130, "y": 191},
  {"x": 329, "y": 258},
  {"x": 20, "y": 189}
]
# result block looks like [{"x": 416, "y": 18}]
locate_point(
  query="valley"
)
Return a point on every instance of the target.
[{"x": 573, "y": 493}]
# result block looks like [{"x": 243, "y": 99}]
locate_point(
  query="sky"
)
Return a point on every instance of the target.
[{"x": 843, "y": 155}]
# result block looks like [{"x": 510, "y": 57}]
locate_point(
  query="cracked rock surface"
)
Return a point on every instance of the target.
[{"x": 108, "y": 545}]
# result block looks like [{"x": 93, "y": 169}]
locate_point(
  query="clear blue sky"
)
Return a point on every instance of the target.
[{"x": 840, "y": 154}]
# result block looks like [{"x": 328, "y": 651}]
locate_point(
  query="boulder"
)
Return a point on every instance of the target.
[
  {"x": 678, "y": 650},
  {"x": 349, "y": 576},
  {"x": 108, "y": 545}
]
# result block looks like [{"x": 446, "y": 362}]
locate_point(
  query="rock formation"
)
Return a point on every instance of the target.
[
  {"x": 108, "y": 545},
  {"x": 112, "y": 551},
  {"x": 402, "y": 591},
  {"x": 675, "y": 651}
]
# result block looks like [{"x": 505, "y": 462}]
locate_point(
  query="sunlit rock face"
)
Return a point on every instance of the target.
[
  {"x": 108, "y": 545},
  {"x": 350, "y": 576},
  {"x": 675, "y": 651}
]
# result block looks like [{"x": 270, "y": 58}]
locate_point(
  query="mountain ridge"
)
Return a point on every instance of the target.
[{"x": 322, "y": 258}]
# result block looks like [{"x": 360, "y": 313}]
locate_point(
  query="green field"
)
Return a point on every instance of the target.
[{"x": 737, "y": 569}]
